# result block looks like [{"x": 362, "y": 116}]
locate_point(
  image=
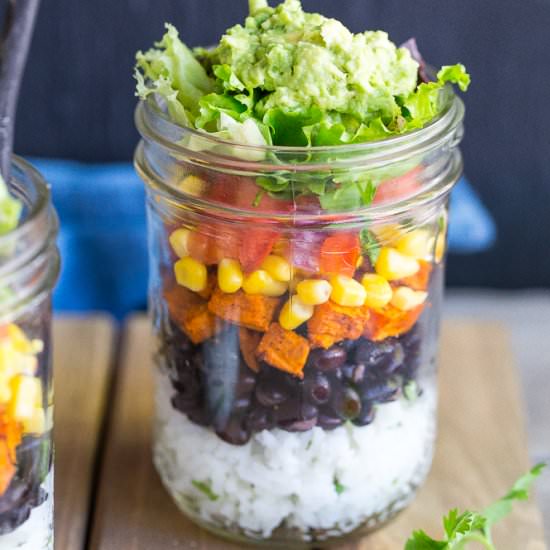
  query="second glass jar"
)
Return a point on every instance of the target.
[{"x": 29, "y": 266}]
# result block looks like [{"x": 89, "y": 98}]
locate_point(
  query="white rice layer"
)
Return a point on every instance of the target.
[
  {"x": 317, "y": 480},
  {"x": 37, "y": 532}
]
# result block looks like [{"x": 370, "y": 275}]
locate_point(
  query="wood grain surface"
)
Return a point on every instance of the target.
[
  {"x": 83, "y": 354},
  {"x": 481, "y": 450}
]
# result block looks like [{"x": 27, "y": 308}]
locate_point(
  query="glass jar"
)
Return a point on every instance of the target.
[
  {"x": 296, "y": 377},
  {"x": 29, "y": 265}
]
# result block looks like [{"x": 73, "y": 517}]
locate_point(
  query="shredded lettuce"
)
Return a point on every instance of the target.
[{"x": 172, "y": 71}]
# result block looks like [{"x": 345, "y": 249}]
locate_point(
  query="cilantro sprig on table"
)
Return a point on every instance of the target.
[{"x": 463, "y": 528}]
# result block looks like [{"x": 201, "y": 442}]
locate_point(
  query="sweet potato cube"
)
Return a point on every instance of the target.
[
  {"x": 391, "y": 321},
  {"x": 332, "y": 323},
  {"x": 191, "y": 314},
  {"x": 249, "y": 341},
  {"x": 420, "y": 280},
  {"x": 251, "y": 311},
  {"x": 284, "y": 350},
  {"x": 10, "y": 438},
  {"x": 211, "y": 282}
]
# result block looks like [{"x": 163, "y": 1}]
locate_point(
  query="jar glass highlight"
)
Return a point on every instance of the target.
[
  {"x": 29, "y": 265},
  {"x": 296, "y": 377}
]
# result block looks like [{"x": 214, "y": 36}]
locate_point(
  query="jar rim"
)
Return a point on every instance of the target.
[
  {"x": 36, "y": 207},
  {"x": 154, "y": 125}
]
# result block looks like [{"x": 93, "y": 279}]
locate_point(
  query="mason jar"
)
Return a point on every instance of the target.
[
  {"x": 29, "y": 266},
  {"x": 296, "y": 337}
]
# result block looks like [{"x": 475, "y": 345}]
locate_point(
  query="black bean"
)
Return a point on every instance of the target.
[
  {"x": 185, "y": 403},
  {"x": 245, "y": 384},
  {"x": 317, "y": 388},
  {"x": 347, "y": 404},
  {"x": 387, "y": 355},
  {"x": 259, "y": 419},
  {"x": 358, "y": 374},
  {"x": 234, "y": 431},
  {"x": 329, "y": 421},
  {"x": 328, "y": 359},
  {"x": 241, "y": 404},
  {"x": 366, "y": 416},
  {"x": 200, "y": 416},
  {"x": 270, "y": 394},
  {"x": 380, "y": 393},
  {"x": 298, "y": 425}
]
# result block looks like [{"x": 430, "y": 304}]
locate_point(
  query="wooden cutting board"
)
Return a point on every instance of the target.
[
  {"x": 481, "y": 450},
  {"x": 83, "y": 357}
]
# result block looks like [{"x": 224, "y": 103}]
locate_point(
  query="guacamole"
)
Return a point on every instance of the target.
[{"x": 287, "y": 77}]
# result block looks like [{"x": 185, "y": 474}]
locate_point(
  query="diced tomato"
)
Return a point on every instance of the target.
[
  {"x": 244, "y": 242},
  {"x": 255, "y": 248},
  {"x": 399, "y": 188},
  {"x": 339, "y": 254},
  {"x": 241, "y": 192},
  {"x": 202, "y": 246}
]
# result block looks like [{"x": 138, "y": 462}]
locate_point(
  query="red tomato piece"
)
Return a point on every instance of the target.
[
  {"x": 241, "y": 192},
  {"x": 202, "y": 245},
  {"x": 339, "y": 254},
  {"x": 399, "y": 188},
  {"x": 256, "y": 247},
  {"x": 246, "y": 243}
]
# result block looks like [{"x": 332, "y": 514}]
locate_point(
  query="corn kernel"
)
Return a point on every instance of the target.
[
  {"x": 179, "y": 240},
  {"x": 415, "y": 244},
  {"x": 25, "y": 392},
  {"x": 387, "y": 233},
  {"x": 192, "y": 185},
  {"x": 405, "y": 298},
  {"x": 191, "y": 274},
  {"x": 314, "y": 292},
  {"x": 393, "y": 265},
  {"x": 18, "y": 339},
  {"x": 379, "y": 291},
  {"x": 347, "y": 291},
  {"x": 294, "y": 313},
  {"x": 278, "y": 268},
  {"x": 36, "y": 424},
  {"x": 5, "y": 390},
  {"x": 261, "y": 282},
  {"x": 230, "y": 276}
]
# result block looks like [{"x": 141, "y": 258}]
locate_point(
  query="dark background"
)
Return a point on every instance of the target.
[{"x": 77, "y": 100}]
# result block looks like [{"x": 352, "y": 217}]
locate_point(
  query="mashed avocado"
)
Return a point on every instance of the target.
[
  {"x": 304, "y": 60},
  {"x": 287, "y": 77}
]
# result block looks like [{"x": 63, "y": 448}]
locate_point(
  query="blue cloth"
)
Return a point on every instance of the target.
[{"x": 103, "y": 239}]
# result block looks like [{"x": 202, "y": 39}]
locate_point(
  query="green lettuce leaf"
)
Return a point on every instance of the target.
[
  {"x": 10, "y": 209},
  {"x": 212, "y": 105},
  {"x": 287, "y": 128},
  {"x": 171, "y": 70},
  {"x": 426, "y": 102}
]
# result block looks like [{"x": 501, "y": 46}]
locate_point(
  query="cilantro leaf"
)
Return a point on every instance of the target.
[
  {"x": 205, "y": 488},
  {"x": 370, "y": 245},
  {"x": 338, "y": 487},
  {"x": 421, "y": 541},
  {"x": 466, "y": 527},
  {"x": 519, "y": 491}
]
